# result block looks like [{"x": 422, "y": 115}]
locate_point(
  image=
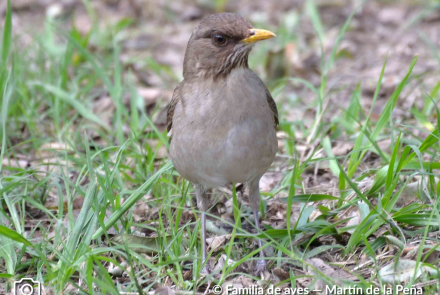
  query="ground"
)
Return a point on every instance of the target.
[{"x": 90, "y": 202}]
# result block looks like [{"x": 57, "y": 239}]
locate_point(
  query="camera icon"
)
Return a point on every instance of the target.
[{"x": 27, "y": 286}]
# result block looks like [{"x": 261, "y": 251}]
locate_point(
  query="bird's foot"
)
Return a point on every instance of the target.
[
  {"x": 260, "y": 267},
  {"x": 206, "y": 270}
]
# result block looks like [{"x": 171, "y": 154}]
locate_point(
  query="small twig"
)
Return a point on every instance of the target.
[
  {"x": 424, "y": 284},
  {"x": 382, "y": 256}
]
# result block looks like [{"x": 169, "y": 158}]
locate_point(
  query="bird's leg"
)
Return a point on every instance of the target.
[
  {"x": 202, "y": 204},
  {"x": 257, "y": 224},
  {"x": 254, "y": 202}
]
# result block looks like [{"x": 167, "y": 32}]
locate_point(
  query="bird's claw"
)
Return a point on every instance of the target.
[
  {"x": 261, "y": 266},
  {"x": 206, "y": 270}
]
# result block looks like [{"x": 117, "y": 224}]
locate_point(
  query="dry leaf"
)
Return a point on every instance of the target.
[
  {"x": 117, "y": 271},
  {"x": 270, "y": 180},
  {"x": 281, "y": 274},
  {"x": 342, "y": 148},
  {"x": 221, "y": 262},
  {"x": 403, "y": 271},
  {"x": 355, "y": 220},
  {"x": 216, "y": 242}
]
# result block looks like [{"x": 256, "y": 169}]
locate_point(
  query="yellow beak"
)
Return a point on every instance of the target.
[{"x": 258, "y": 35}]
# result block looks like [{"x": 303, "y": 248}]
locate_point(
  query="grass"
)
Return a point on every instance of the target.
[{"x": 47, "y": 97}]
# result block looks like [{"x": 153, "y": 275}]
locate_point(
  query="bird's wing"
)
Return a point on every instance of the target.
[
  {"x": 273, "y": 107},
  {"x": 171, "y": 107},
  {"x": 270, "y": 101}
]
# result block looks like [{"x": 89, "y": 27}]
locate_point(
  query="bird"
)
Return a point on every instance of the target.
[{"x": 222, "y": 120}]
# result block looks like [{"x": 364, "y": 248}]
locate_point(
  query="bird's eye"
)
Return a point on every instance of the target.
[{"x": 220, "y": 39}]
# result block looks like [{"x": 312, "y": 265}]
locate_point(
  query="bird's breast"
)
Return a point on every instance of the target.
[{"x": 223, "y": 132}]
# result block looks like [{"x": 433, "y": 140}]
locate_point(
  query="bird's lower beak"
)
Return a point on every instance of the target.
[{"x": 258, "y": 35}]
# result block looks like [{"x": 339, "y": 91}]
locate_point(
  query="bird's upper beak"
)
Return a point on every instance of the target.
[{"x": 258, "y": 35}]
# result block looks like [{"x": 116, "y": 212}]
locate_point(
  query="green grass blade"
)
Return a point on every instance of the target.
[
  {"x": 236, "y": 206},
  {"x": 386, "y": 113},
  {"x": 13, "y": 235},
  {"x": 339, "y": 38},
  {"x": 313, "y": 13},
  {"x": 332, "y": 161},
  {"x": 7, "y": 33},
  {"x": 64, "y": 96},
  {"x": 356, "y": 156},
  {"x": 292, "y": 190},
  {"x": 390, "y": 174},
  {"x": 132, "y": 199}
]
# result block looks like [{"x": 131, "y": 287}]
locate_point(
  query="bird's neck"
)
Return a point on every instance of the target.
[{"x": 199, "y": 69}]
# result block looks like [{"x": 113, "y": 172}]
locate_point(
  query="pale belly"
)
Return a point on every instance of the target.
[{"x": 214, "y": 156}]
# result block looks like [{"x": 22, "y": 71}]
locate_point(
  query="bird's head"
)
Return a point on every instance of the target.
[{"x": 220, "y": 43}]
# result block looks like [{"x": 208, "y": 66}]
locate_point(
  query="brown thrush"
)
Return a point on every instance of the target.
[{"x": 222, "y": 119}]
